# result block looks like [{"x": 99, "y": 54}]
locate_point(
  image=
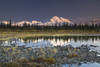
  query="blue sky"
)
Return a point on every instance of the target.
[{"x": 43, "y": 10}]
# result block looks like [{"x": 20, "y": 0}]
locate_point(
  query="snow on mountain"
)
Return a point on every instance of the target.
[
  {"x": 22, "y": 23},
  {"x": 36, "y": 22},
  {"x": 27, "y": 22},
  {"x": 54, "y": 20},
  {"x": 4, "y": 22},
  {"x": 58, "y": 20},
  {"x": 95, "y": 21}
]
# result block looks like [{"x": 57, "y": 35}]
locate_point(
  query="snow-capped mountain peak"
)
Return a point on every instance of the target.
[{"x": 56, "y": 19}]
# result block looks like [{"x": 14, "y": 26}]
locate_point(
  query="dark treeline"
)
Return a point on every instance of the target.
[{"x": 64, "y": 26}]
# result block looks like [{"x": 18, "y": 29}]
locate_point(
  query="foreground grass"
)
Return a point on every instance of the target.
[{"x": 30, "y": 62}]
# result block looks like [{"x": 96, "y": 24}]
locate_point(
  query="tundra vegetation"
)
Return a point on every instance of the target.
[{"x": 46, "y": 57}]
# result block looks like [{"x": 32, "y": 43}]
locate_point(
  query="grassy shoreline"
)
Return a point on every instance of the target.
[{"x": 6, "y": 35}]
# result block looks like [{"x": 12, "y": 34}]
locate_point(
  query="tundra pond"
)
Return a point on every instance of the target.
[{"x": 51, "y": 51}]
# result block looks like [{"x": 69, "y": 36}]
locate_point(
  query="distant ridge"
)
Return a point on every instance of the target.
[{"x": 53, "y": 20}]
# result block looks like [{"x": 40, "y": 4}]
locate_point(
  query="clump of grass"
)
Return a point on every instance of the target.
[
  {"x": 38, "y": 60},
  {"x": 50, "y": 60},
  {"x": 72, "y": 55},
  {"x": 10, "y": 65}
]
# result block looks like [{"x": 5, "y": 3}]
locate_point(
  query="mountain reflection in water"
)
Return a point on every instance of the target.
[{"x": 49, "y": 41}]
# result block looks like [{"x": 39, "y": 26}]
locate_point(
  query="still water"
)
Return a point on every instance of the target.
[{"x": 51, "y": 41}]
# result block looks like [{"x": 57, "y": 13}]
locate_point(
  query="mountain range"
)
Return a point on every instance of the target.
[{"x": 54, "y": 20}]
